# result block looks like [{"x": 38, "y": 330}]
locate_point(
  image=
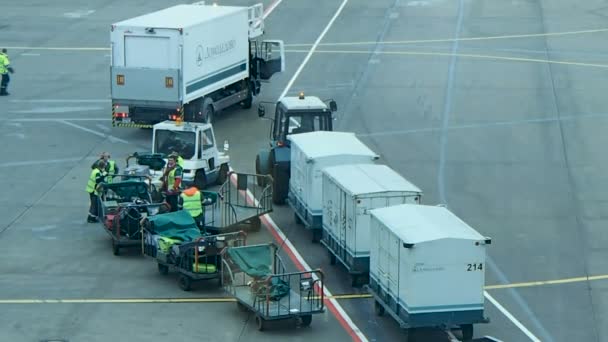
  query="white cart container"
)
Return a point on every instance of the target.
[
  {"x": 310, "y": 154},
  {"x": 427, "y": 267},
  {"x": 349, "y": 193}
]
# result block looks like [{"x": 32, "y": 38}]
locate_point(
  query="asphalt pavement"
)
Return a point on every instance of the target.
[{"x": 509, "y": 141}]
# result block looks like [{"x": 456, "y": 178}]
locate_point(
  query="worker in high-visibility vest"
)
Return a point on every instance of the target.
[
  {"x": 191, "y": 200},
  {"x": 111, "y": 168},
  {"x": 5, "y": 69},
  {"x": 171, "y": 182},
  {"x": 179, "y": 159},
  {"x": 96, "y": 177}
]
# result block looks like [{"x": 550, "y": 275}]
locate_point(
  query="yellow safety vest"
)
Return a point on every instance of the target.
[
  {"x": 171, "y": 179},
  {"x": 4, "y": 63},
  {"x": 192, "y": 204},
  {"x": 91, "y": 185},
  {"x": 180, "y": 162},
  {"x": 111, "y": 171}
]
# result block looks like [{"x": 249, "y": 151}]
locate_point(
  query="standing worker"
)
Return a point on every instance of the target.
[
  {"x": 191, "y": 201},
  {"x": 172, "y": 179},
  {"x": 97, "y": 176},
  {"x": 5, "y": 68},
  {"x": 111, "y": 167},
  {"x": 179, "y": 159}
]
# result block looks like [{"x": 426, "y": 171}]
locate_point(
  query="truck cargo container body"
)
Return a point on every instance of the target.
[
  {"x": 349, "y": 193},
  {"x": 311, "y": 153},
  {"x": 188, "y": 61},
  {"x": 427, "y": 267}
]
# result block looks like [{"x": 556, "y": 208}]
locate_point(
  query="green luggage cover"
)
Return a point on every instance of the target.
[
  {"x": 255, "y": 261},
  {"x": 178, "y": 225}
]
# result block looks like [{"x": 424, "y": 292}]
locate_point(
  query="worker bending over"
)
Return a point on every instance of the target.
[{"x": 97, "y": 176}]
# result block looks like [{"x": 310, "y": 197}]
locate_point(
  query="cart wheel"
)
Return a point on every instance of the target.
[
  {"x": 259, "y": 321},
  {"x": 354, "y": 280},
  {"x": 163, "y": 269},
  {"x": 115, "y": 248},
  {"x": 306, "y": 320},
  {"x": 378, "y": 308},
  {"x": 316, "y": 235},
  {"x": 256, "y": 224},
  {"x": 297, "y": 218},
  {"x": 184, "y": 283},
  {"x": 467, "y": 332},
  {"x": 241, "y": 307},
  {"x": 332, "y": 258}
]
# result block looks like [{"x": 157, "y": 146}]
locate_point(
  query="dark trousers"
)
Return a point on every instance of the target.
[
  {"x": 4, "y": 84},
  {"x": 172, "y": 200},
  {"x": 93, "y": 209}
]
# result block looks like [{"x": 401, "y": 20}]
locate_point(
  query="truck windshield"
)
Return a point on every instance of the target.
[
  {"x": 183, "y": 143},
  {"x": 308, "y": 123}
]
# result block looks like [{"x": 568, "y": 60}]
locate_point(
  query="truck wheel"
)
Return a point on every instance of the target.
[
  {"x": 200, "y": 179},
  {"x": 206, "y": 112},
  {"x": 277, "y": 188},
  {"x": 223, "y": 174},
  {"x": 260, "y": 170},
  {"x": 467, "y": 332}
]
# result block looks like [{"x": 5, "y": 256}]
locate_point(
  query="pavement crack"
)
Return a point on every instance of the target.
[{"x": 571, "y": 182}]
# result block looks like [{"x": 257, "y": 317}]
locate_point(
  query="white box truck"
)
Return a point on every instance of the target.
[
  {"x": 427, "y": 267},
  {"x": 310, "y": 153},
  {"x": 189, "y": 61},
  {"x": 349, "y": 193}
]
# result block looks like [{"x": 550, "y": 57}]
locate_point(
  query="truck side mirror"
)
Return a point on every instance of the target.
[
  {"x": 261, "y": 110},
  {"x": 333, "y": 106}
]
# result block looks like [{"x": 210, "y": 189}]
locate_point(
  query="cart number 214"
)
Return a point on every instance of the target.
[{"x": 474, "y": 267}]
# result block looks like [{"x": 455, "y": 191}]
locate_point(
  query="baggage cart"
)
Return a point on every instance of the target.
[{"x": 256, "y": 277}]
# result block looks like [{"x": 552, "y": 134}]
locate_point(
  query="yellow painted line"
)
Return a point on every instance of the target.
[
  {"x": 491, "y": 57},
  {"x": 447, "y": 40},
  {"x": 395, "y": 42},
  {"x": 227, "y": 299}
]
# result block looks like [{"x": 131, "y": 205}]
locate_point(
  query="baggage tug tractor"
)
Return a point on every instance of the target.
[
  {"x": 204, "y": 164},
  {"x": 293, "y": 115},
  {"x": 189, "y": 61}
]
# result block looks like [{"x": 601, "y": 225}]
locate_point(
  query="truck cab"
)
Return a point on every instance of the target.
[
  {"x": 203, "y": 163},
  {"x": 293, "y": 115}
]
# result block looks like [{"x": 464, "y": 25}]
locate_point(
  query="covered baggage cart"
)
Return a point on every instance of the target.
[
  {"x": 427, "y": 268},
  {"x": 123, "y": 203},
  {"x": 177, "y": 244},
  {"x": 349, "y": 193},
  {"x": 255, "y": 275},
  {"x": 311, "y": 153}
]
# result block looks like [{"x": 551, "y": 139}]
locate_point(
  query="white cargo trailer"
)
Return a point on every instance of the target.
[
  {"x": 310, "y": 153},
  {"x": 189, "y": 61},
  {"x": 427, "y": 267},
  {"x": 349, "y": 193}
]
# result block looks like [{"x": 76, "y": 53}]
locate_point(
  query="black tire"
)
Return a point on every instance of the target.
[
  {"x": 184, "y": 283},
  {"x": 255, "y": 224},
  {"x": 207, "y": 112},
  {"x": 248, "y": 101},
  {"x": 277, "y": 188},
  {"x": 306, "y": 320},
  {"x": 190, "y": 110},
  {"x": 332, "y": 258},
  {"x": 316, "y": 235},
  {"x": 259, "y": 321},
  {"x": 163, "y": 269},
  {"x": 222, "y": 177},
  {"x": 467, "y": 332},
  {"x": 297, "y": 218},
  {"x": 200, "y": 179},
  {"x": 378, "y": 309},
  {"x": 261, "y": 181}
]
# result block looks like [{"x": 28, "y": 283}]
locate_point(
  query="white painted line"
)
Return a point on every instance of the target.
[
  {"x": 110, "y": 137},
  {"x": 312, "y": 49},
  {"x": 511, "y": 317},
  {"x": 18, "y": 135},
  {"x": 30, "y": 54},
  {"x": 103, "y": 128},
  {"x": 78, "y": 14},
  {"x": 271, "y": 8}
]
